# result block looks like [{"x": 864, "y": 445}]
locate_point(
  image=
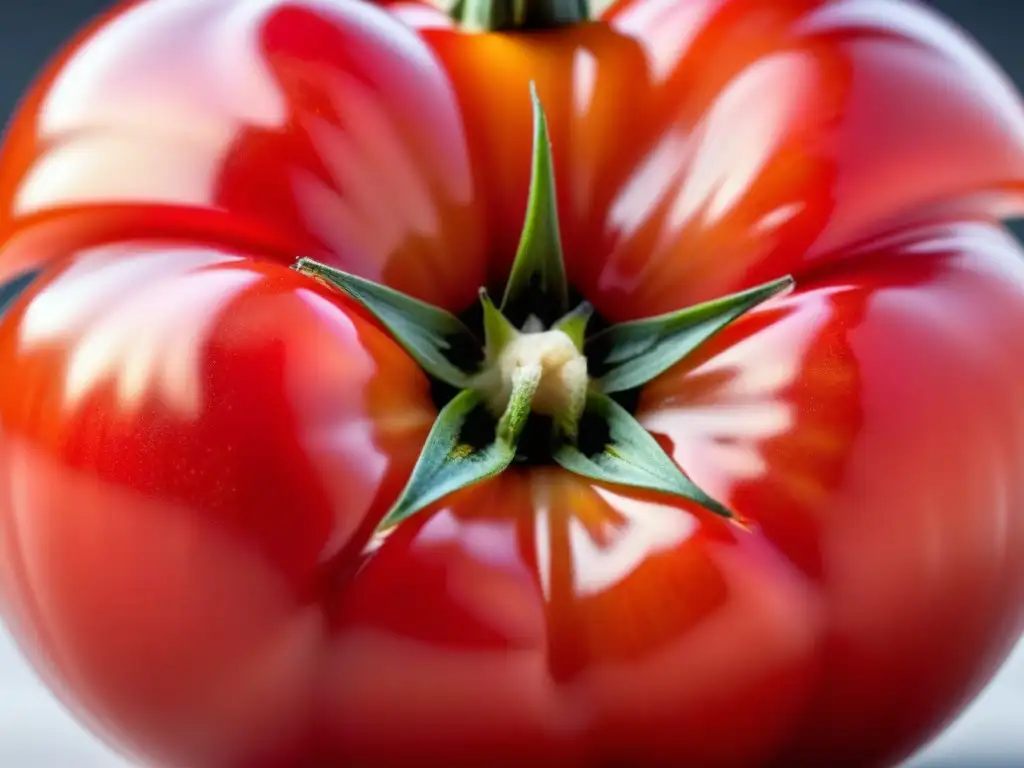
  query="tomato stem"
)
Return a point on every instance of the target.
[
  {"x": 519, "y": 15},
  {"x": 561, "y": 370}
]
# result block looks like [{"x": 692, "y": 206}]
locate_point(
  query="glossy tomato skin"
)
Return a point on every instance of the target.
[
  {"x": 195, "y": 442},
  {"x": 248, "y": 452}
]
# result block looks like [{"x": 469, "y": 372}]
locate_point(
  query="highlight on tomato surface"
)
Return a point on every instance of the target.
[{"x": 514, "y": 383}]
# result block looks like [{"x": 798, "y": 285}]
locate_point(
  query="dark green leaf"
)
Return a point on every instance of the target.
[
  {"x": 574, "y": 325},
  {"x": 15, "y": 287},
  {"x": 537, "y": 283},
  {"x": 447, "y": 464},
  {"x": 631, "y": 457},
  {"x": 498, "y": 330},
  {"x": 426, "y": 332},
  {"x": 633, "y": 353}
]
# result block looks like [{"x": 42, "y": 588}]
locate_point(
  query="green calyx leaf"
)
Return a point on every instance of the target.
[
  {"x": 633, "y": 353},
  {"x": 448, "y": 464},
  {"x": 631, "y": 457},
  {"x": 428, "y": 333},
  {"x": 537, "y": 283},
  {"x": 574, "y": 324},
  {"x": 498, "y": 330}
]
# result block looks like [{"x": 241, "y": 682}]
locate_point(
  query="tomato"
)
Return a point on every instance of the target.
[{"x": 197, "y": 441}]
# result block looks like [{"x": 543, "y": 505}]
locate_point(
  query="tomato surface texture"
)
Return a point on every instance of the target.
[{"x": 197, "y": 441}]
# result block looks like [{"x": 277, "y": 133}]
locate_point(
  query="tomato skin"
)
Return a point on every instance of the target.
[
  {"x": 195, "y": 442},
  {"x": 762, "y": 137},
  {"x": 877, "y": 499},
  {"x": 261, "y": 120},
  {"x": 248, "y": 457}
]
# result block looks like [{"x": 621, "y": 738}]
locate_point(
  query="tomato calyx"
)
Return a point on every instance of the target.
[
  {"x": 550, "y": 362},
  {"x": 529, "y": 385},
  {"x": 523, "y": 15}
]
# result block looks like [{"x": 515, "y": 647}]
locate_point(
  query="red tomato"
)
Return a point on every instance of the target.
[{"x": 196, "y": 441}]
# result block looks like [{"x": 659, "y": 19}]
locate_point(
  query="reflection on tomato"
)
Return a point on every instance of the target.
[{"x": 196, "y": 441}]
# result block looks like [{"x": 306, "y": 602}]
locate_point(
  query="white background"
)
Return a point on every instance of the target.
[{"x": 35, "y": 732}]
